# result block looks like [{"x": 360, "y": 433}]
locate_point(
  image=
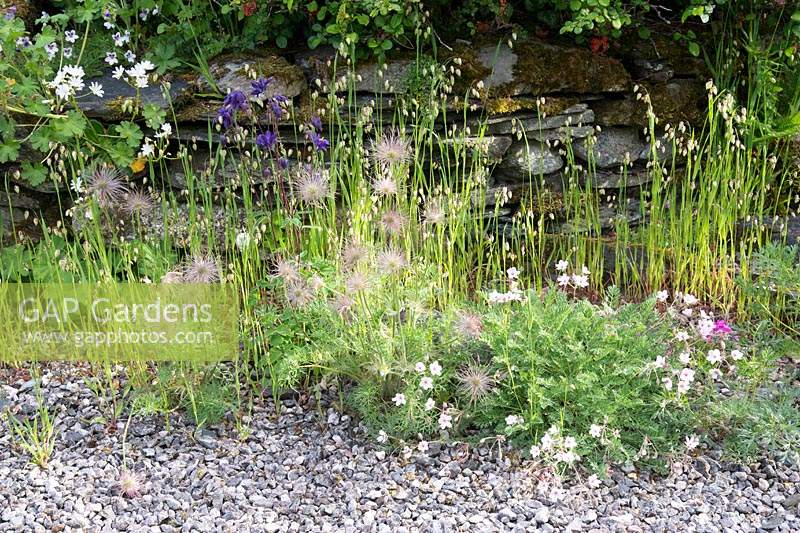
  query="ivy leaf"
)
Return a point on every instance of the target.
[{"x": 130, "y": 133}]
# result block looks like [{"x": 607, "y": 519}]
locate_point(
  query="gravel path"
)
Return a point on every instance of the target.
[{"x": 304, "y": 471}]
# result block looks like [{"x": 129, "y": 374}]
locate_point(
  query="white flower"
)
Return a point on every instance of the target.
[
  {"x": 736, "y": 355},
  {"x": 535, "y": 451},
  {"x": 426, "y": 383},
  {"x": 662, "y": 296},
  {"x": 705, "y": 327},
  {"x": 52, "y": 50},
  {"x": 513, "y": 273},
  {"x": 147, "y": 149},
  {"x": 514, "y": 420},
  {"x": 77, "y": 185},
  {"x": 445, "y": 421},
  {"x": 667, "y": 383},
  {"x": 166, "y": 131},
  {"x": 692, "y": 442},
  {"x": 422, "y": 446},
  {"x": 562, "y": 265},
  {"x": 111, "y": 58},
  {"x": 660, "y": 362},
  {"x": 563, "y": 280},
  {"x": 147, "y": 64},
  {"x": 570, "y": 443},
  {"x": 420, "y": 367},
  {"x": 120, "y": 39},
  {"x": 382, "y": 437},
  {"x": 593, "y": 482},
  {"x": 96, "y": 89},
  {"x": 67, "y": 53},
  {"x": 581, "y": 281},
  {"x": 242, "y": 240},
  {"x": 436, "y": 368},
  {"x": 685, "y": 357},
  {"x": 715, "y": 374},
  {"x": 687, "y": 374},
  {"x": 687, "y": 312},
  {"x": 70, "y": 36},
  {"x": 595, "y": 431},
  {"x": 68, "y": 80},
  {"x": 688, "y": 299},
  {"x": 681, "y": 336},
  {"x": 714, "y": 356},
  {"x": 585, "y": 271},
  {"x": 547, "y": 441},
  {"x": 118, "y": 73},
  {"x": 430, "y": 404},
  {"x": 399, "y": 399},
  {"x": 130, "y": 57}
]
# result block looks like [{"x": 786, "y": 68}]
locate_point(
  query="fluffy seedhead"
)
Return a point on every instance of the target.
[
  {"x": 352, "y": 254},
  {"x": 356, "y": 282},
  {"x": 299, "y": 294},
  {"x": 393, "y": 222},
  {"x": 313, "y": 187},
  {"x": 433, "y": 213},
  {"x": 475, "y": 382},
  {"x": 173, "y": 276},
  {"x": 385, "y": 185},
  {"x": 130, "y": 484},
  {"x": 391, "y": 149},
  {"x": 201, "y": 269},
  {"x": 138, "y": 202},
  {"x": 469, "y": 325},
  {"x": 343, "y": 305},
  {"x": 287, "y": 270},
  {"x": 391, "y": 261},
  {"x": 106, "y": 184}
]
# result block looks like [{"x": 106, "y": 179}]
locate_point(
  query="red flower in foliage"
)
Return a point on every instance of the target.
[
  {"x": 599, "y": 45},
  {"x": 250, "y": 8}
]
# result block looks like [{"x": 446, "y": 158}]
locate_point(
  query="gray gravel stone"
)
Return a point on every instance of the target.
[{"x": 301, "y": 472}]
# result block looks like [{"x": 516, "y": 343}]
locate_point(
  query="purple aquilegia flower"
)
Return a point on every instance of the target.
[
  {"x": 11, "y": 12},
  {"x": 276, "y": 105},
  {"x": 721, "y": 328},
  {"x": 283, "y": 163},
  {"x": 225, "y": 116},
  {"x": 266, "y": 140},
  {"x": 236, "y": 101},
  {"x": 259, "y": 86},
  {"x": 320, "y": 143},
  {"x": 316, "y": 123}
]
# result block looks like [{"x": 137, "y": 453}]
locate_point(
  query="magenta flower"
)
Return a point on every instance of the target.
[{"x": 721, "y": 328}]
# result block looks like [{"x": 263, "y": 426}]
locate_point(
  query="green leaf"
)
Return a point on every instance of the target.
[
  {"x": 130, "y": 133},
  {"x": 9, "y": 150},
  {"x": 72, "y": 126},
  {"x": 34, "y": 173},
  {"x": 694, "y": 49}
]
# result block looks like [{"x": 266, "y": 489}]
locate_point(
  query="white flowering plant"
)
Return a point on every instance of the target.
[{"x": 44, "y": 79}]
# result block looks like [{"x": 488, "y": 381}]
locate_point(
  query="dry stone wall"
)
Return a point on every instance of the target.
[{"x": 532, "y": 98}]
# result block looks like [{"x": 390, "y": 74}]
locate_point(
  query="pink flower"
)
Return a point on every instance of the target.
[{"x": 721, "y": 328}]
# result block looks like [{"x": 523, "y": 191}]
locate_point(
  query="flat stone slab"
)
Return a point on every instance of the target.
[
  {"x": 531, "y": 158},
  {"x": 236, "y": 73},
  {"x": 110, "y": 106},
  {"x": 537, "y": 68},
  {"x": 611, "y": 147}
]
